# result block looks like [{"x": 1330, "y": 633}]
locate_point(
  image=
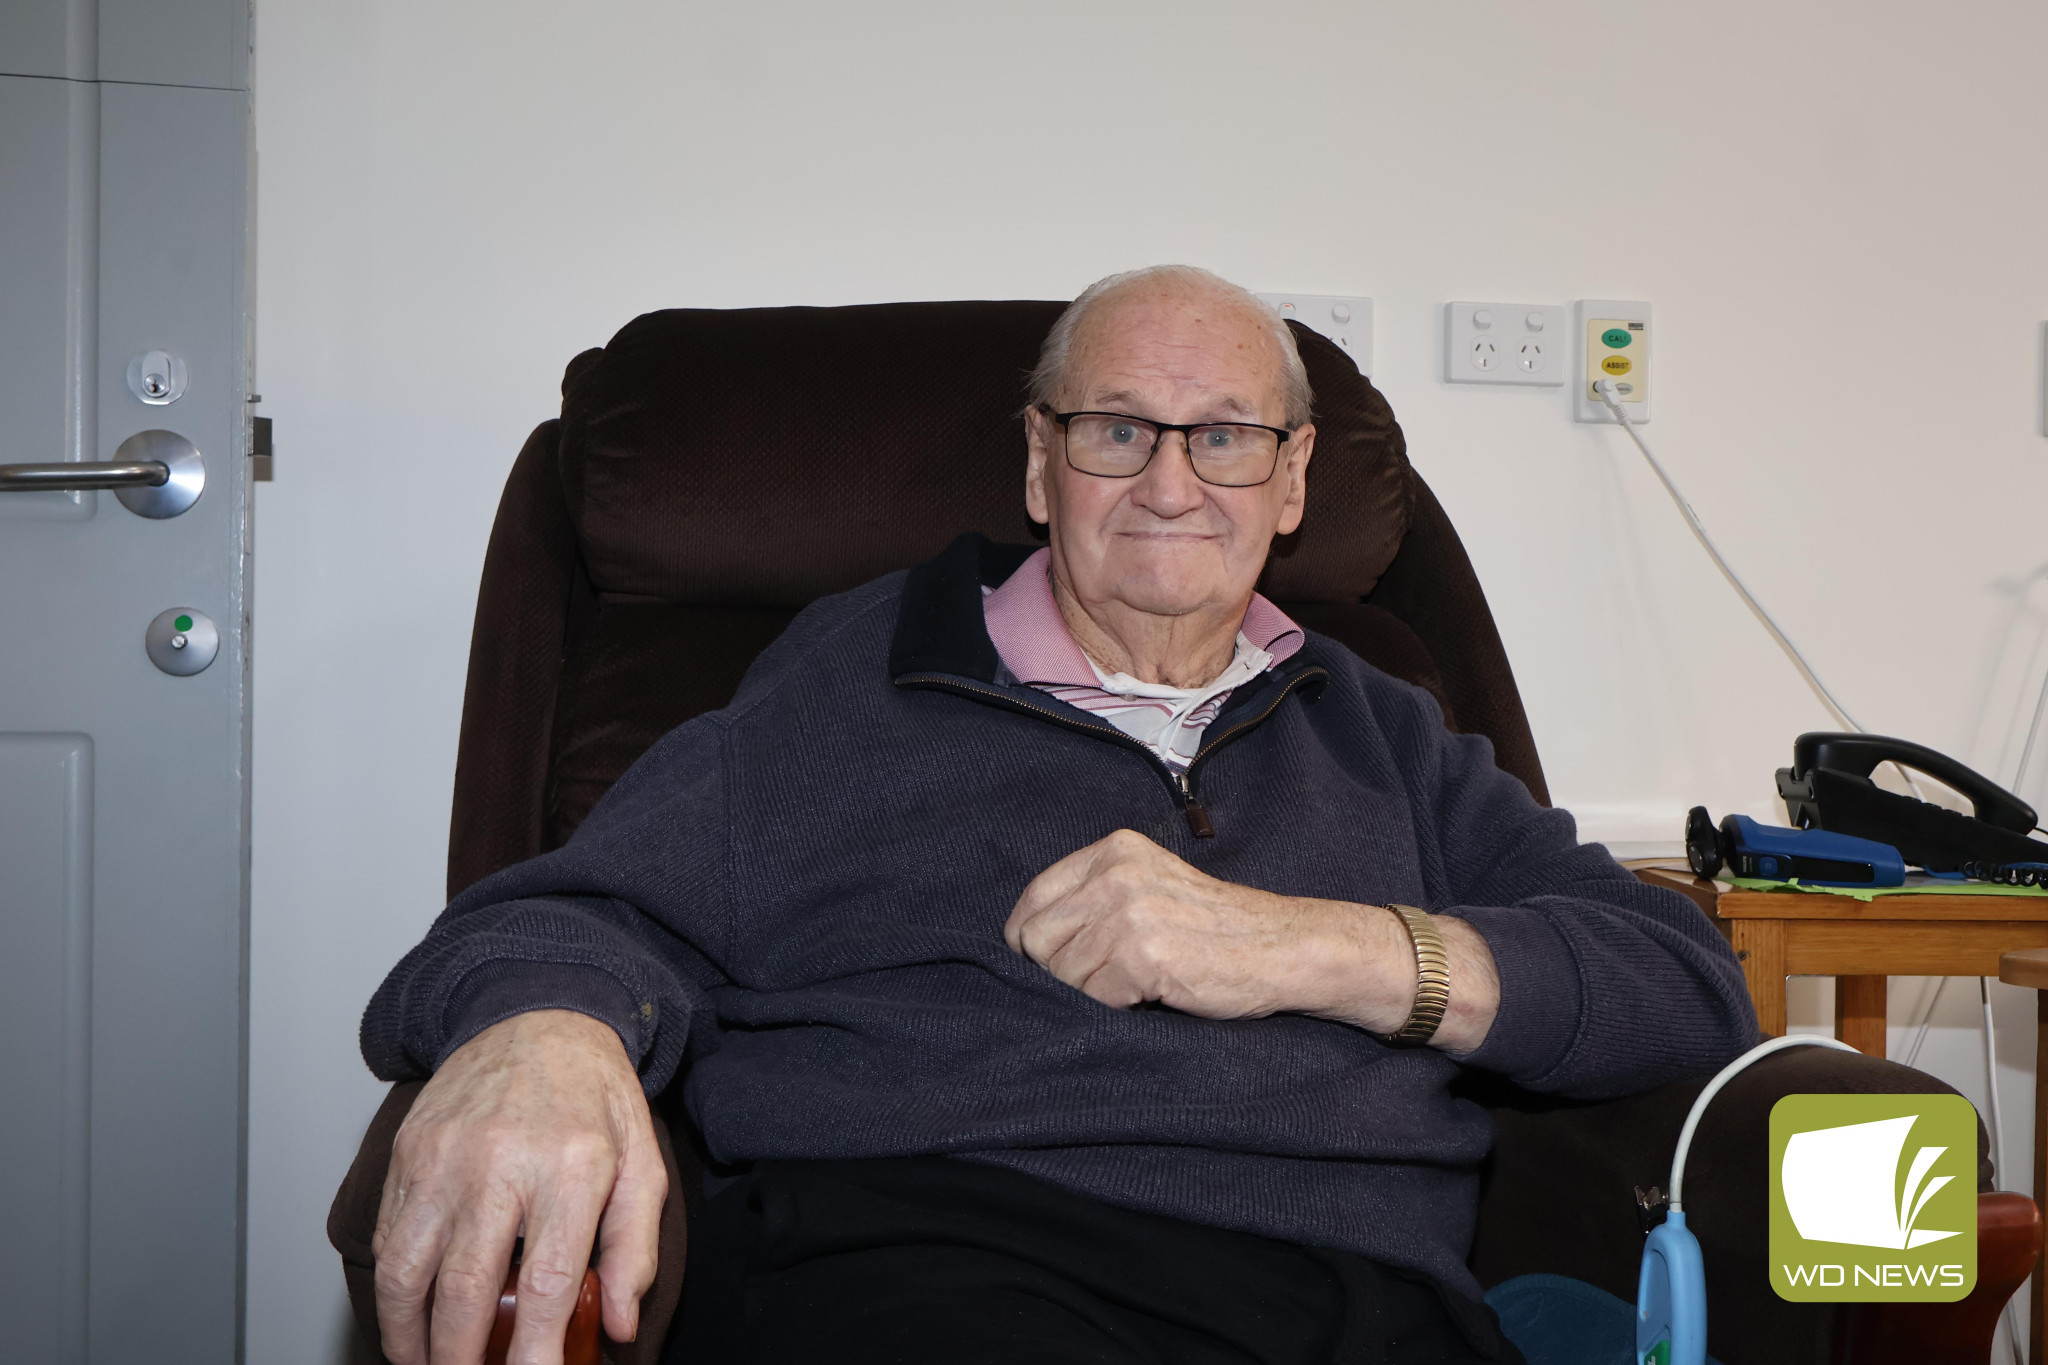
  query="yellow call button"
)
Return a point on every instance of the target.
[{"x": 1617, "y": 364}]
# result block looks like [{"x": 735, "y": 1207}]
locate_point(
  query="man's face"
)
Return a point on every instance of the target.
[{"x": 1164, "y": 542}]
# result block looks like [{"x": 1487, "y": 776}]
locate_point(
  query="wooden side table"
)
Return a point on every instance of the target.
[
  {"x": 1777, "y": 934},
  {"x": 1861, "y": 944}
]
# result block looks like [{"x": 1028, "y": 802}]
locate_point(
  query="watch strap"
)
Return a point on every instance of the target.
[{"x": 1432, "y": 978}]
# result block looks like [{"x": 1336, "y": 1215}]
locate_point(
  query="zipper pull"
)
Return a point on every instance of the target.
[{"x": 1198, "y": 819}]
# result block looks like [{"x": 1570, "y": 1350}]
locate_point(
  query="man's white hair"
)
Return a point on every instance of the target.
[{"x": 1049, "y": 376}]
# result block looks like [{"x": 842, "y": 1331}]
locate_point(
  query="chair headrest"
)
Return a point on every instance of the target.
[{"x": 769, "y": 456}]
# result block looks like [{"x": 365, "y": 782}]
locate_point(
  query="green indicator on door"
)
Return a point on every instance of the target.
[
  {"x": 183, "y": 623},
  {"x": 1615, "y": 337}
]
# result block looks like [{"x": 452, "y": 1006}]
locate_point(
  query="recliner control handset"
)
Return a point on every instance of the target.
[{"x": 1671, "y": 1290}]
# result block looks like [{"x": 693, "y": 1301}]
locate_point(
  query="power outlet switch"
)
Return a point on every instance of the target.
[
  {"x": 1613, "y": 339},
  {"x": 1506, "y": 343},
  {"x": 1344, "y": 318}
]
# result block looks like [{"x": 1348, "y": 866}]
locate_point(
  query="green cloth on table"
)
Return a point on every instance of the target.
[{"x": 1916, "y": 885}]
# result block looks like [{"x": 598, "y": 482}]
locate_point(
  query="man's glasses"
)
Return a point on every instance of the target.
[{"x": 1111, "y": 445}]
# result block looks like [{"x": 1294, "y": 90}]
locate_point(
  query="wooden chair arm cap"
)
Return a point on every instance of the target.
[{"x": 580, "y": 1346}]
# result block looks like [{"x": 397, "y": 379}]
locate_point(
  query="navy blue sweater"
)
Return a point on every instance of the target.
[{"x": 802, "y": 898}]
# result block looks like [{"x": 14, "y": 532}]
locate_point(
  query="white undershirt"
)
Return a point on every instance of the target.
[{"x": 1167, "y": 720}]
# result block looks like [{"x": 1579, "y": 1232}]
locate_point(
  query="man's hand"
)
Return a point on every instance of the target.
[
  {"x": 536, "y": 1127},
  {"x": 1126, "y": 921}
]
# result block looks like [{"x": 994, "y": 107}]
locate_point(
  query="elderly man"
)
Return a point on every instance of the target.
[{"x": 1036, "y": 935}]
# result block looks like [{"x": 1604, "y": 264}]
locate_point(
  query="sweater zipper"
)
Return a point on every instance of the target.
[
  {"x": 1179, "y": 783},
  {"x": 1206, "y": 751},
  {"x": 1197, "y": 818}
]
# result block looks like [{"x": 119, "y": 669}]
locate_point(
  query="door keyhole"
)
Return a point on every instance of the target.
[{"x": 157, "y": 377}]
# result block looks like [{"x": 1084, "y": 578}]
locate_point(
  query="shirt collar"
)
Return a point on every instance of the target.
[{"x": 1031, "y": 636}]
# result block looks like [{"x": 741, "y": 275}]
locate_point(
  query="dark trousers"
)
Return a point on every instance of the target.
[{"x": 935, "y": 1261}]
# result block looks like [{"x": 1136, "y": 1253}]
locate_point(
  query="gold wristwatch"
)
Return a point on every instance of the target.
[{"x": 1432, "y": 978}]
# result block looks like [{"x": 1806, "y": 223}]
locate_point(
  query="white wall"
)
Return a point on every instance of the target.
[{"x": 1837, "y": 210}]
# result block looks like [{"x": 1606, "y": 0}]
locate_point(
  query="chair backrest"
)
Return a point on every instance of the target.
[{"x": 713, "y": 472}]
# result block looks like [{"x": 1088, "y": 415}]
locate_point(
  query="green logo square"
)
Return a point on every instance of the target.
[{"x": 1873, "y": 1198}]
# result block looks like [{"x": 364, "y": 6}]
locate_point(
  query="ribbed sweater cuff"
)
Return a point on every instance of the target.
[
  {"x": 499, "y": 989},
  {"x": 1541, "y": 998}
]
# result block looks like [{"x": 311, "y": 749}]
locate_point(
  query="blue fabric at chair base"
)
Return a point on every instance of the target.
[{"x": 1556, "y": 1320}]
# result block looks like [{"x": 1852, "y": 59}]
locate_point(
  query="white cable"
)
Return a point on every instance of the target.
[
  {"x": 1605, "y": 388},
  {"x": 1713, "y": 1088},
  {"x": 1991, "y": 1075},
  {"x": 1926, "y": 1020},
  {"x": 2033, "y": 730},
  {"x": 2012, "y": 1331}
]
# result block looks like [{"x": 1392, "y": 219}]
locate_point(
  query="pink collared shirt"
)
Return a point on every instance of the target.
[{"x": 1033, "y": 641}]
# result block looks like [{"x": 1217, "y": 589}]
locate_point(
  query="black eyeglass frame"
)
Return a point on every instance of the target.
[{"x": 1186, "y": 430}]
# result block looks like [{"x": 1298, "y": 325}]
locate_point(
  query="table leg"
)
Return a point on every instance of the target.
[
  {"x": 2035, "y": 1351},
  {"x": 1760, "y": 946},
  {"x": 1859, "y": 1013}
]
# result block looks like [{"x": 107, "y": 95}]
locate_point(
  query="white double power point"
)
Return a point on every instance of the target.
[
  {"x": 1506, "y": 343},
  {"x": 1344, "y": 318}
]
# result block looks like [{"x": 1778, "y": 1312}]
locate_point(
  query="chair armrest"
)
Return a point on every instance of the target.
[
  {"x": 352, "y": 1221},
  {"x": 2008, "y": 1242},
  {"x": 1558, "y": 1194}
]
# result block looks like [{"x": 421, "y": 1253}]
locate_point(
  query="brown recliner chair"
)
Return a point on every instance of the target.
[{"x": 714, "y": 472}]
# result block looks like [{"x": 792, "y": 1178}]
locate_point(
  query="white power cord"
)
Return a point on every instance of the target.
[
  {"x": 1713, "y": 1088},
  {"x": 1991, "y": 1076},
  {"x": 2033, "y": 732},
  {"x": 1926, "y": 1021},
  {"x": 1608, "y": 395},
  {"x": 1997, "y": 1124},
  {"x": 2012, "y": 1330}
]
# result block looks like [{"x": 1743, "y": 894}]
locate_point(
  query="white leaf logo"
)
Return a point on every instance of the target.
[{"x": 1839, "y": 1185}]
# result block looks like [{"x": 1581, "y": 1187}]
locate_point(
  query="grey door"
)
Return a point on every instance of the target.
[{"x": 124, "y": 205}]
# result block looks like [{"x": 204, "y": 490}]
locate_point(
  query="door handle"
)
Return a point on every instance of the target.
[
  {"x": 155, "y": 474},
  {"x": 67, "y": 478}
]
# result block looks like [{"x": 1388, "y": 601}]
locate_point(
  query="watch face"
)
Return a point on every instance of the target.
[{"x": 1702, "y": 842}]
